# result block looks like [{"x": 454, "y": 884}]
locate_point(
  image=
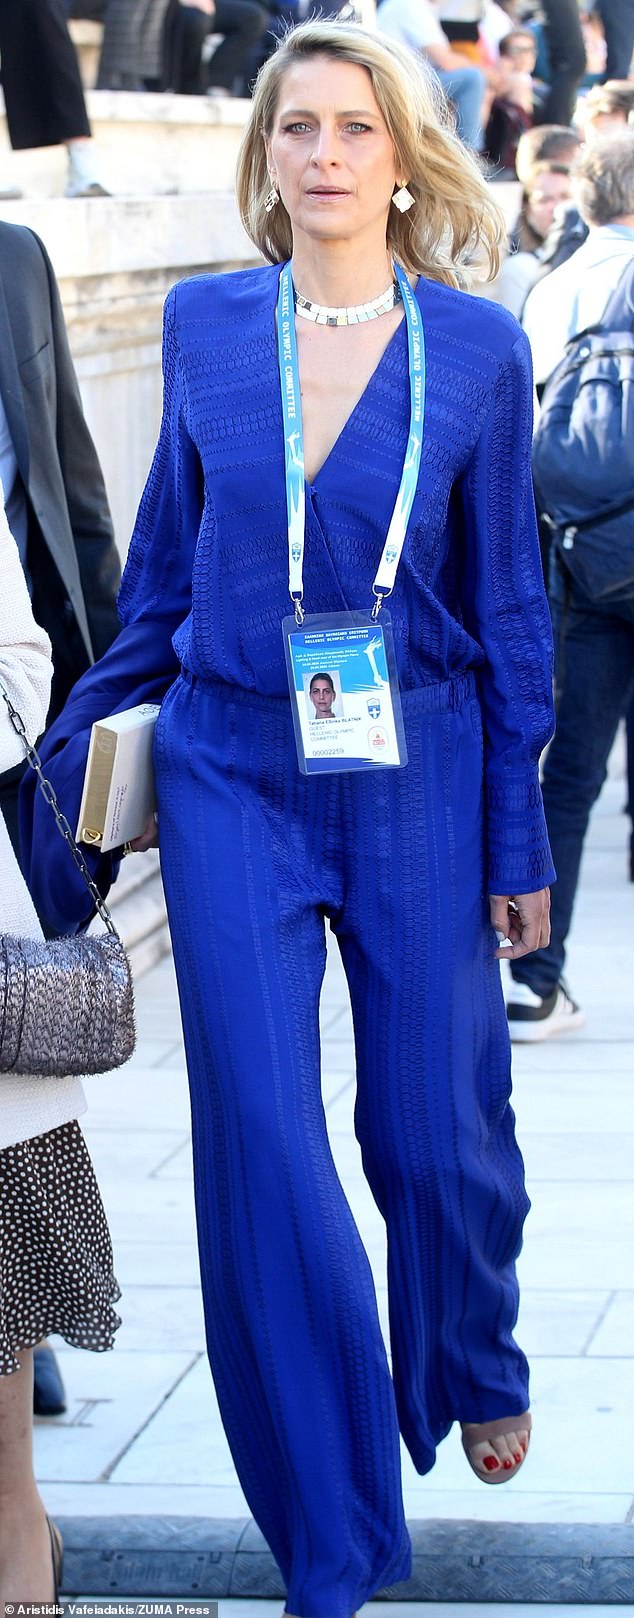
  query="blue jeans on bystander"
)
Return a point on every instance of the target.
[{"x": 465, "y": 88}]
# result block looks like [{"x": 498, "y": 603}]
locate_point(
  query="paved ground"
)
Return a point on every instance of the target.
[
  {"x": 413, "y": 1609},
  {"x": 434, "y": 1609},
  {"x": 142, "y": 1433}
]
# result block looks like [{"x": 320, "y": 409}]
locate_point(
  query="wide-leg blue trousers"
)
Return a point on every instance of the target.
[{"x": 254, "y": 857}]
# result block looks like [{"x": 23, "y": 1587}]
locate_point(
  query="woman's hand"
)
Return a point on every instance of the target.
[
  {"x": 148, "y": 839},
  {"x": 522, "y": 923}
]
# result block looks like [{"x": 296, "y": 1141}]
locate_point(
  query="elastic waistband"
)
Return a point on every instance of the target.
[{"x": 446, "y": 696}]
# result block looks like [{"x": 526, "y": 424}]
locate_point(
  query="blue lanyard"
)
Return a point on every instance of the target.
[{"x": 294, "y": 441}]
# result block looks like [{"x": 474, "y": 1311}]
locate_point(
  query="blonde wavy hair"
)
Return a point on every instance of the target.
[{"x": 455, "y": 231}]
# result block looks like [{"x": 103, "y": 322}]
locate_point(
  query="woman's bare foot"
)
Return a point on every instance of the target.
[{"x": 496, "y": 1450}]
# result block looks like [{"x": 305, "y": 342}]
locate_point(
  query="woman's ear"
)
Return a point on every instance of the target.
[{"x": 269, "y": 162}]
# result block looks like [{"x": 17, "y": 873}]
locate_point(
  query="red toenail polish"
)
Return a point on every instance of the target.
[
  {"x": 507, "y": 1466},
  {"x": 491, "y": 1463},
  {"x": 517, "y": 1457}
]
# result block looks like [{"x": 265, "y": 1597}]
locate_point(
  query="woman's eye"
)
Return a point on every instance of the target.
[{"x": 299, "y": 127}]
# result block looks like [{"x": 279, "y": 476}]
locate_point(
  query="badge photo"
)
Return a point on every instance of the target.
[
  {"x": 322, "y": 692},
  {"x": 344, "y": 693}
]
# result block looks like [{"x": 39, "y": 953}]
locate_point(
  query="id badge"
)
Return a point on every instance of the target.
[{"x": 344, "y": 691}]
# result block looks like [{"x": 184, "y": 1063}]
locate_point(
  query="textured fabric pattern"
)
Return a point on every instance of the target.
[
  {"x": 254, "y": 856},
  {"x": 206, "y": 580},
  {"x": 469, "y": 592},
  {"x": 55, "y": 1253}
]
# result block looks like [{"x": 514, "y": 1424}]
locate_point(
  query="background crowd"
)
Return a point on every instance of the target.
[{"x": 507, "y": 66}]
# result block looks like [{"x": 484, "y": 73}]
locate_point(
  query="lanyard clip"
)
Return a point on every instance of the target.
[
  {"x": 379, "y": 597},
  {"x": 299, "y": 610}
]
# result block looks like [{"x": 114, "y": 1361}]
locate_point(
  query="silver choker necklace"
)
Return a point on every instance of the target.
[{"x": 321, "y": 315}]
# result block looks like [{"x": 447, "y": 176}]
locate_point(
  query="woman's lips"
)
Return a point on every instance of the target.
[{"x": 327, "y": 191}]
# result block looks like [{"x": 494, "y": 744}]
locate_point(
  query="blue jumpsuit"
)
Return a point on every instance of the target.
[{"x": 400, "y": 862}]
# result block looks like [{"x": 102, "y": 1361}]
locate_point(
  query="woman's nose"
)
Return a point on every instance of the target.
[{"x": 324, "y": 150}]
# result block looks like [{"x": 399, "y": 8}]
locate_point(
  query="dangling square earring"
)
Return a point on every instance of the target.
[
  {"x": 403, "y": 199},
  {"x": 271, "y": 199}
]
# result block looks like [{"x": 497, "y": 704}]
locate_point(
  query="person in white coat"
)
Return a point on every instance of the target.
[{"x": 56, "y": 1270}]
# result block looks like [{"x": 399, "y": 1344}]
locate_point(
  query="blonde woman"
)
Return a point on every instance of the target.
[
  {"x": 55, "y": 1254},
  {"x": 297, "y": 435}
]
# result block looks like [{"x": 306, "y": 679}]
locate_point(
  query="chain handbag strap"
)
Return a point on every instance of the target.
[{"x": 48, "y": 793}]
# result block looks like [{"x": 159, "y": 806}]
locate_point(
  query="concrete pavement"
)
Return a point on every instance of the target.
[{"x": 142, "y": 1433}]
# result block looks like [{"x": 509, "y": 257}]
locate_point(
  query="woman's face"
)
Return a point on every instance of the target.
[
  {"x": 330, "y": 151},
  {"x": 322, "y": 697}
]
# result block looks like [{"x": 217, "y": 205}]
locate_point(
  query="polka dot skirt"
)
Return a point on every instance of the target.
[{"x": 55, "y": 1252}]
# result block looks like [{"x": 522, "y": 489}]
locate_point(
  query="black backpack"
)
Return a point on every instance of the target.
[{"x": 583, "y": 452}]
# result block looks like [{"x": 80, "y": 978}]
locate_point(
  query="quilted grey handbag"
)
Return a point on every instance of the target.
[{"x": 66, "y": 1006}]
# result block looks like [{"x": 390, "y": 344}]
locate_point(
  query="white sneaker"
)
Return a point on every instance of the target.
[
  {"x": 532, "y": 1018},
  {"x": 83, "y": 177}
]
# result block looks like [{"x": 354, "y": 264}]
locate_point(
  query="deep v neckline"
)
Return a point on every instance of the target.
[{"x": 312, "y": 484}]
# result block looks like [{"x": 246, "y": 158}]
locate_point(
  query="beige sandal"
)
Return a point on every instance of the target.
[
  {"x": 483, "y": 1432},
  {"x": 57, "y": 1554}
]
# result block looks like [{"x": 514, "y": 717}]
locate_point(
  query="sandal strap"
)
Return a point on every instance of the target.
[
  {"x": 57, "y": 1550},
  {"x": 487, "y": 1430}
]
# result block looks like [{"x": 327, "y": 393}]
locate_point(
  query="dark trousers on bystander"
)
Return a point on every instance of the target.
[
  {"x": 617, "y": 17},
  {"x": 241, "y": 22},
  {"x": 595, "y": 682},
  {"x": 40, "y": 75},
  {"x": 567, "y": 58}
]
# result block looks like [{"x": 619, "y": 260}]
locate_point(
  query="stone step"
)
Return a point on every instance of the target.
[
  {"x": 149, "y": 145},
  {"x": 155, "y": 145},
  {"x": 93, "y": 240},
  {"x": 467, "y": 1563}
]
